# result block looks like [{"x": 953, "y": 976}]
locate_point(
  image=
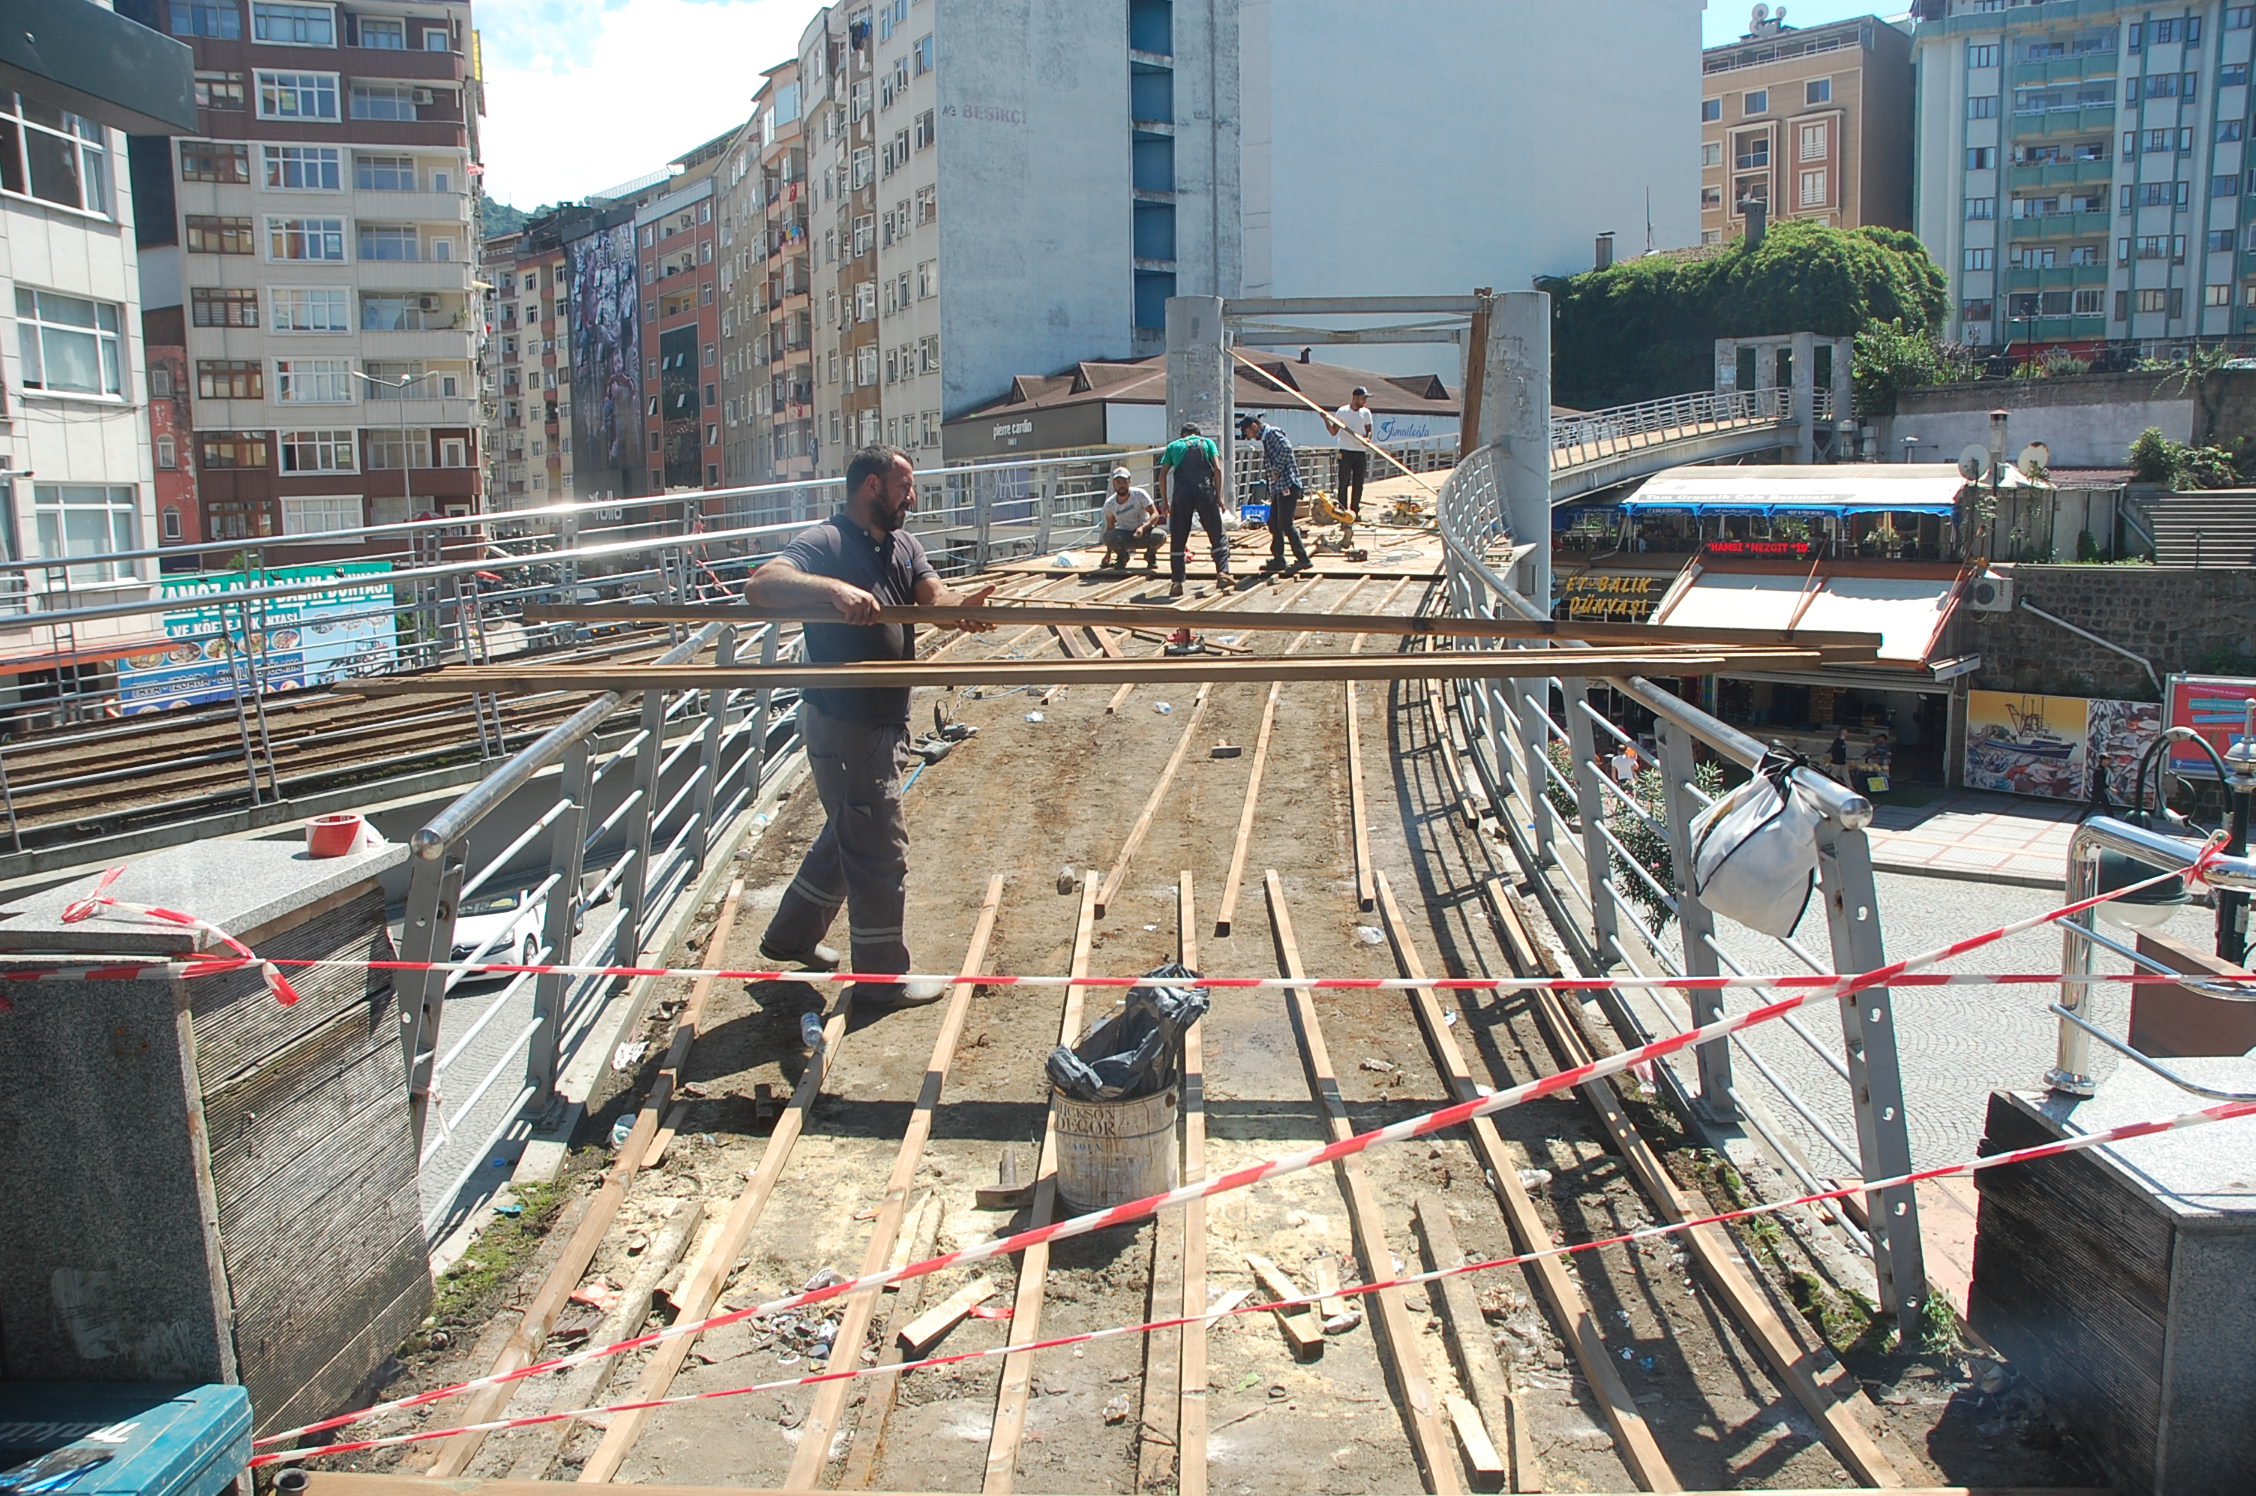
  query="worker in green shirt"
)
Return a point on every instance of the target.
[{"x": 1196, "y": 464}]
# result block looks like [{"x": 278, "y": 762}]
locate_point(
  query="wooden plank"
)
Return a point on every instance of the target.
[
  {"x": 717, "y": 1264},
  {"x": 886, "y": 675},
  {"x": 1553, "y": 1284},
  {"x": 1325, "y": 1270},
  {"x": 665, "y": 1138},
  {"x": 352, "y": 1483},
  {"x": 1818, "y": 1382},
  {"x": 1304, "y": 1332},
  {"x": 1017, "y": 1383},
  {"x": 1107, "y": 642},
  {"x": 1071, "y": 642},
  {"x": 919, "y": 1335},
  {"x": 1142, "y": 828},
  {"x": 1428, "y": 625},
  {"x": 564, "y": 1276},
  {"x": 823, "y": 1416},
  {"x": 878, "y": 1398},
  {"x": 1398, "y": 1335},
  {"x": 1480, "y": 1450},
  {"x": 1191, "y": 1420},
  {"x": 1479, "y": 1371}
]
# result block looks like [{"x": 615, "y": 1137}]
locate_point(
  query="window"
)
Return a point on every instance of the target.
[
  {"x": 208, "y": 307},
  {"x": 2088, "y": 302},
  {"x": 2216, "y": 296},
  {"x": 928, "y": 354},
  {"x": 297, "y": 95},
  {"x": 219, "y": 90},
  {"x": 388, "y": 242},
  {"x": 1981, "y": 54},
  {"x": 1981, "y": 106},
  {"x": 160, "y": 381},
  {"x": 927, "y": 279},
  {"x": 293, "y": 25},
  {"x": 1752, "y": 150},
  {"x": 1813, "y": 190},
  {"x": 2083, "y": 254},
  {"x": 384, "y": 173},
  {"x": 383, "y": 101},
  {"x": 1981, "y": 259},
  {"x": 305, "y": 238},
  {"x": 230, "y": 379},
  {"x": 454, "y": 452},
  {"x": 924, "y": 130},
  {"x": 2153, "y": 301},
  {"x": 920, "y": 56},
  {"x": 313, "y": 381},
  {"x": 214, "y": 18},
  {"x": 68, "y": 345},
  {"x": 2229, "y": 130},
  {"x": 1813, "y": 141},
  {"x": 1710, "y": 110},
  {"x": 170, "y": 515},
  {"x": 1981, "y": 158},
  {"x": 304, "y": 168},
  {"x": 214, "y": 161},
  {"x": 927, "y": 205},
  {"x": 303, "y": 309},
  {"x": 1711, "y": 153},
  {"x": 53, "y": 156},
  {"x": 386, "y": 36},
  {"x": 319, "y": 452},
  {"x": 2239, "y": 17},
  {"x": 231, "y": 449},
  {"x": 1818, "y": 91},
  {"x": 317, "y": 514},
  {"x": 1981, "y": 207},
  {"x": 2225, "y": 186},
  {"x": 88, "y": 520},
  {"x": 388, "y": 452},
  {"x": 1755, "y": 101},
  {"x": 2219, "y": 241}
]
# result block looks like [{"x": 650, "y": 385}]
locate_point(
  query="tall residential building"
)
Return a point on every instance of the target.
[
  {"x": 1810, "y": 122},
  {"x": 681, "y": 325},
  {"x": 526, "y": 364},
  {"x": 767, "y": 329},
  {"x": 2083, "y": 170},
  {"x": 319, "y": 231}
]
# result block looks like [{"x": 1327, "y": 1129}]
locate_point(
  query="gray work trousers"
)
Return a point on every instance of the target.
[{"x": 861, "y": 859}]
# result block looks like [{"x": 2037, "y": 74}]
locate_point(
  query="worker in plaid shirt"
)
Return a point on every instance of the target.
[{"x": 1284, "y": 491}]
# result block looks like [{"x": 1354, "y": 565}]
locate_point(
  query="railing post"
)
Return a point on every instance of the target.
[
  {"x": 709, "y": 752},
  {"x": 634, "y": 885},
  {"x": 756, "y": 761},
  {"x": 1694, "y": 924},
  {"x": 1590, "y": 804},
  {"x": 2071, "y": 1065},
  {"x": 1868, "y": 1033},
  {"x": 982, "y": 518},
  {"x": 433, "y": 885},
  {"x": 567, "y": 856},
  {"x": 1534, "y": 746}
]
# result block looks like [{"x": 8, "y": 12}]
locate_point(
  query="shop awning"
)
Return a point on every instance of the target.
[
  {"x": 1847, "y": 488},
  {"x": 1906, "y": 607}
]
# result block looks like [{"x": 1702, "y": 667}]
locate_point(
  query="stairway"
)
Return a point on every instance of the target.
[{"x": 2203, "y": 529}]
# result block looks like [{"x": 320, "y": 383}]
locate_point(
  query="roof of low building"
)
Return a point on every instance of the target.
[{"x": 1143, "y": 381}]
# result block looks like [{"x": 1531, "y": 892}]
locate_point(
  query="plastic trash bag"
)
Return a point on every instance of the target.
[
  {"x": 1754, "y": 852},
  {"x": 1137, "y": 1050}
]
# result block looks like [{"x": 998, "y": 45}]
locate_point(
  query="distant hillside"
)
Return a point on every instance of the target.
[{"x": 503, "y": 219}]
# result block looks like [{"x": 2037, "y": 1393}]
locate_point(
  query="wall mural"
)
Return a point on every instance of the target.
[
  {"x": 606, "y": 365},
  {"x": 2051, "y": 745}
]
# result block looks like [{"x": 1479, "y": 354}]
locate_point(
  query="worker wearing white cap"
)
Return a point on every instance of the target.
[
  {"x": 1131, "y": 521},
  {"x": 1352, "y": 424}
]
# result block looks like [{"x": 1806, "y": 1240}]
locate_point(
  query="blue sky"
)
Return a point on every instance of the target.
[{"x": 582, "y": 95}]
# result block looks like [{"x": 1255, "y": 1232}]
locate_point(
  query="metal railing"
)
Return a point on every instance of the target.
[
  {"x": 1536, "y": 744},
  {"x": 1600, "y": 434}
]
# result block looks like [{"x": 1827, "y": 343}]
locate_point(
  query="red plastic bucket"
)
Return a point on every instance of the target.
[{"x": 333, "y": 836}]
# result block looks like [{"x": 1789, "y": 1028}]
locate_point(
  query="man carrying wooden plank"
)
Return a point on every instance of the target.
[{"x": 857, "y": 561}]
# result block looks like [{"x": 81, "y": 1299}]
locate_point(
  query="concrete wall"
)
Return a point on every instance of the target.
[
  {"x": 2181, "y": 619},
  {"x": 1431, "y": 148},
  {"x": 2089, "y": 420}
]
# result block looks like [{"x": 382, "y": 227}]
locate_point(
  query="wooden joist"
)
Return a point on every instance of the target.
[
  {"x": 1158, "y": 796},
  {"x": 830, "y": 1399},
  {"x": 1428, "y": 625},
  {"x": 1479, "y": 1371},
  {"x": 1190, "y": 1420},
  {"x": 1397, "y": 1333},
  {"x": 353, "y": 1483}
]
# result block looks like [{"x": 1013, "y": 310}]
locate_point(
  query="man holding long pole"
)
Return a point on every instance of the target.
[{"x": 856, "y": 562}]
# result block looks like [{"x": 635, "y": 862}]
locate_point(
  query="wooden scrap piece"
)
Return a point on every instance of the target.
[
  {"x": 922, "y": 1333},
  {"x": 1301, "y": 1326},
  {"x": 1481, "y": 1457}
]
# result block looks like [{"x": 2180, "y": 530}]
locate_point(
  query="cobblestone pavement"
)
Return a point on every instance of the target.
[
  {"x": 1957, "y": 1043},
  {"x": 1979, "y": 837}
]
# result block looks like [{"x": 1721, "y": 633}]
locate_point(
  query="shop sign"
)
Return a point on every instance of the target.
[
  {"x": 1800, "y": 550},
  {"x": 2214, "y": 706},
  {"x": 308, "y": 640},
  {"x": 2051, "y": 745},
  {"x": 1613, "y": 596}
]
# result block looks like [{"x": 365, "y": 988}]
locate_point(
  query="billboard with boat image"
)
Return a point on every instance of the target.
[{"x": 2026, "y": 744}]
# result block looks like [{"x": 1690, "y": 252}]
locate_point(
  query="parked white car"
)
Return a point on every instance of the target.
[{"x": 506, "y": 924}]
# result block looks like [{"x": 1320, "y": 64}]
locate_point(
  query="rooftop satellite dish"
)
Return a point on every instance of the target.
[
  {"x": 1973, "y": 462},
  {"x": 1762, "y": 14},
  {"x": 1779, "y": 15},
  {"x": 2036, "y": 458}
]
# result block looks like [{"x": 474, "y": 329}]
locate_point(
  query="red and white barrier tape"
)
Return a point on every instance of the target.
[
  {"x": 2224, "y": 1111},
  {"x": 98, "y": 900},
  {"x": 1136, "y": 1210}
]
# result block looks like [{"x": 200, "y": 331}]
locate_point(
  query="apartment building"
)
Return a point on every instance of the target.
[
  {"x": 172, "y": 431},
  {"x": 526, "y": 365},
  {"x": 1808, "y": 122},
  {"x": 317, "y": 230},
  {"x": 676, "y": 240},
  {"x": 2084, "y": 171},
  {"x": 767, "y": 326}
]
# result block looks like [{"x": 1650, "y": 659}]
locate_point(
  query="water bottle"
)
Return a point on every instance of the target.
[{"x": 810, "y": 1030}]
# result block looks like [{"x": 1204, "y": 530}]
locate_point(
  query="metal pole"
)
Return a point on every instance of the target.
[
  {"x": 1695, "y": 925},
  {"x": 1590, "y": 806},
  {"x": 634, "y": 885},
  {"x": 434, "y": 884},
  {"x": 567, "y": 854},
  {"x": 709, "y": 753}
]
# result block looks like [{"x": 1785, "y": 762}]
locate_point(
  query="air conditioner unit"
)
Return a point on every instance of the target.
[
  {"x": 1990, "y": 593},
  {"x": 428, "y": 303},
  {"x": 422, "y": 96}
]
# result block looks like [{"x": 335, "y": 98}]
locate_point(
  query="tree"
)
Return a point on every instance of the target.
[
  {"x": 2157, "y": 459},
  {"x": 1646, "y": 328},
  {"x": 1890, "y": 358}
]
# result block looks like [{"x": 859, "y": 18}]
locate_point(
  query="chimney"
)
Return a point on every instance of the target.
[
  {"x": 1605, "y": 260},
  {"x": 1998, "y": 419},
  {"x": 1758, "y": 221}
]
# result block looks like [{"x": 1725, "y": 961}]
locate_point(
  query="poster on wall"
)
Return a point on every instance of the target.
[
  {"x": 2215, "y": 706},
  {"x": 607, "y": 408},
  {"x": 2118, "y": 734},
  {"x": 308, "y": 640},
  {"x": 2026, "y": 745}
]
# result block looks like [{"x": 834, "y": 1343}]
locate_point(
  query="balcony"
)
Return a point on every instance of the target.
[
  {"x": 2056, "y": 329},
  {"x": 2061, "y": 226},
  {"x": 2057, "y": 278},
  {"x": 2077, "y": 69},
  {"x": 413, "y": 275},
  {"x": 2061, "y": 174},
  {"x": 2083, "y": 120}
]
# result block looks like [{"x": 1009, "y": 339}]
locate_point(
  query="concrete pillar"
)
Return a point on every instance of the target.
[
  {"x": 1515, "y": 415},
  {"x": 1805, "y": 397},
  {"x": 1844, "y": 382},
  {"x": 1726, "y": 365},
  {"x": 1198, "y": 378}
]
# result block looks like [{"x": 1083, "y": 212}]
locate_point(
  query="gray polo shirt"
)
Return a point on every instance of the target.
[{"x": 889, "y": 571}]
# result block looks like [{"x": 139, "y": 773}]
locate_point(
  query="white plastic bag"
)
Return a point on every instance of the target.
[{"x": 1754, "y": 852}]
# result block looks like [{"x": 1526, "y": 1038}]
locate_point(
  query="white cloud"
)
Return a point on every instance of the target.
[{"x": 579, "y": 98}]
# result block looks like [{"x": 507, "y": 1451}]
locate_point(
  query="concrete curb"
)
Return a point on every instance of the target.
[{"x": 1960, "y": 875}]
